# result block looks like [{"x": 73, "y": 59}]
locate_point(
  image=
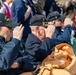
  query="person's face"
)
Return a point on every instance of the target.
[
  {"x": 38, "y": 31},
  {"x": 6, "y": 32},
  {"x": 57, "y": 23}
]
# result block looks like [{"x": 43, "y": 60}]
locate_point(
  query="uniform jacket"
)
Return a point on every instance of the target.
[
  {"x": 63, "y": 36},
  {"x": 37, "y": 49},
  {"x": 10, "y": 52}
]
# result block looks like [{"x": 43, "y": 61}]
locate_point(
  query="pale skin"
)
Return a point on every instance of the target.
[
  {"x": 9, "y": 1},
  {"x": 42, "y": 32},
  {"x": 67, "y": 21},
  {"x": 27, "y": 13}
]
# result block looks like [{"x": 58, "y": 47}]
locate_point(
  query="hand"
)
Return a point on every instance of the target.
[
  {"x": 50, "y": 31},
  {"x": 18, "y": 32},
  {"x": 67, "y": 21},
  {"x": 15, "y": 65}
]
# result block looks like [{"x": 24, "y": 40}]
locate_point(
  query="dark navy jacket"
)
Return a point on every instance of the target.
[
  {"x": 9, "y": 52},
  {"x": 38, "y": 50},
  {"x": 63, "y": 36},
  {"x": 18, "y": 10}
]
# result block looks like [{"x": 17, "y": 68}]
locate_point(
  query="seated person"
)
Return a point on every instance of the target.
[
  {"x": 39, "y": 42},
  {"x": 11, "y": 61}
]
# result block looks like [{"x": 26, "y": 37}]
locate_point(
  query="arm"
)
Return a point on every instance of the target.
[
  {"x": 37, "y": 49},
  {"x": 63, "y": 36},
  {"x": 23, "y": 62},
  {"x": 27, "y": 13},
  {"x": 66, "y": 34},
  {"x": 10, "y": 50},
  {"x": 20, "y": 12},
  {"x": 8, "y": 54},
  {"x": 44, "y": 48}
]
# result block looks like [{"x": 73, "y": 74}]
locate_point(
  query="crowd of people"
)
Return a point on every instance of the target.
[{"x": 29, "y": 32}]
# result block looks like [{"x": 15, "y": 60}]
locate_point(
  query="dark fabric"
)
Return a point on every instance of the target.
[
  {"x": 63, "y": 36},
  {"x": 18, "y": 10},
  {"x": 38, "y": 50},
  {"x": 10, "y": 52},
  {"x": 37, "y": 20},
  {"x": 49, "y": 4},
  {"x": 39, "y": 6}
]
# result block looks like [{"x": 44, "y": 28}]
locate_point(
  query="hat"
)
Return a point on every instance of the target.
[
  {"x": 5, "y": 21},
  {"x": 61, "y": 17},
  {"x": 52, "y": 16},
  {"x": 37, "y": 20}
]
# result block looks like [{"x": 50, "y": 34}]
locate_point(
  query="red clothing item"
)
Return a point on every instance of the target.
[{"x": 7, "y": 11}]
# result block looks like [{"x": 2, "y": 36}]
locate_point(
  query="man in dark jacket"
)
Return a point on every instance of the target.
[
  {"x": 11, "y": 62},
  {"x": 62, "y": 25},
  {"x": 21, "y": 13},
  {"x": 39, "y": 45}
]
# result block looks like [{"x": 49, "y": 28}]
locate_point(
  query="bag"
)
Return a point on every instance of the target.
[{"x": 62, "y": 58}]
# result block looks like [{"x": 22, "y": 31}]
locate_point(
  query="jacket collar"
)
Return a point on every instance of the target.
[{"x": 2, "y": 38}]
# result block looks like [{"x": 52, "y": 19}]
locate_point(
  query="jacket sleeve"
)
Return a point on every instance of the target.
[
  {"x": 18, "y": 10},
  {"x": 65, "y": 35},
  {"x": 8, "y": 54},
  {"x": 45, "y": 48},
  {"x": 25, "y": 63},
  {"x": 38, "y": 50}
]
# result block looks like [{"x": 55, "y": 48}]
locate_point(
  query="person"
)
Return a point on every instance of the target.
[
  {"x": 39, "y": 43},
  {"x": 60, "y": 21},
  {"x": 21, "y": 13},
  {"x": 11, "y": 61}
]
